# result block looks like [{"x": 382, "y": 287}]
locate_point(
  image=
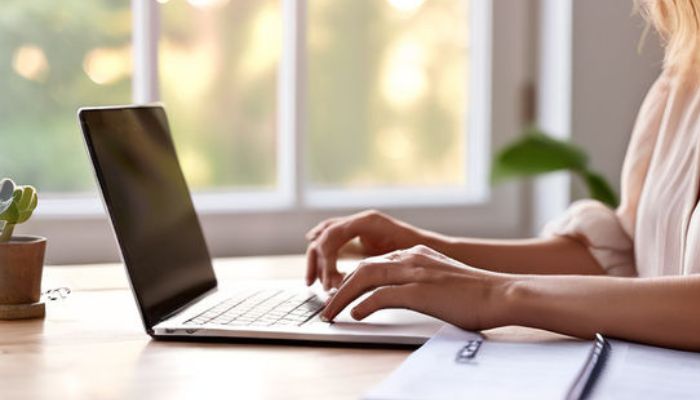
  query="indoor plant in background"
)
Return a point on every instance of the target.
[
  {"x": 21, "y": 256},
  {"x": 536, "y": 153}
]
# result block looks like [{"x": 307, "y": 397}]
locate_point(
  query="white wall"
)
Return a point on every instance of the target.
[
  {"x": 610, "y": 78},
  {"x": 591, "y": 80}
]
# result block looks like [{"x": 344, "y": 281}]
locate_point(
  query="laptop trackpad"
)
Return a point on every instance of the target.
[{"x": 391, "y": 322}]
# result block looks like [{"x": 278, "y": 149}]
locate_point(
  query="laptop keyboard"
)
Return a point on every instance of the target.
[{"x": 262, "y": 308}]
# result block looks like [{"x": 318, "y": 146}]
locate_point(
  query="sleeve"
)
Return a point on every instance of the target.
[
  {"x": 609, "y": 234},
  {"x": 598, "y": 228}
]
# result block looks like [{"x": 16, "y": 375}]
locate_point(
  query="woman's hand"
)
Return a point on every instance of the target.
[
  {"x": 426, "y": 281},
  {"x": 378, "y": 234}
]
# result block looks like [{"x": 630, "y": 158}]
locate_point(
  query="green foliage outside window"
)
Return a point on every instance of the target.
[{"x": 387, "y": 89}]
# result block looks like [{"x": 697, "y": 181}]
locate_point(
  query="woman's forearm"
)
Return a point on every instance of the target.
[
  {"x": 662, "y": 311},
  {"x": 528, "y": 256}
]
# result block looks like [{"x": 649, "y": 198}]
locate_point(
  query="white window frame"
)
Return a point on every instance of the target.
[{"x": 273, "y": 222}]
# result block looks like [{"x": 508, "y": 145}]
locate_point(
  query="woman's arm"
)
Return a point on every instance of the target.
[
  {"x": 558, "y": 255},
  {"x": 379, "y": 233},
  {"x": 660, "y": 311}
]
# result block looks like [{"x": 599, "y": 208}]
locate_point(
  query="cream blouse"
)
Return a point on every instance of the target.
[{"x": 656, "y": 229}]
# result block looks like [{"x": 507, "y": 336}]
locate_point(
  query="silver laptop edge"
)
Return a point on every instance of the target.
[{"x": 384, "y": 327}]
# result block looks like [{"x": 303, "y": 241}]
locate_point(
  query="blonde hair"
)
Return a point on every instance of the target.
[{"x": 678, "y": 23}]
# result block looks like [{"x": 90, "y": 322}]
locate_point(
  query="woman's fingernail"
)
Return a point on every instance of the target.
[{"x": 324, "y": 318}]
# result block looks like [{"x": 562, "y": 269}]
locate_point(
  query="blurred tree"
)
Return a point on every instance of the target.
[
  {"x": 43, "y": 81},
  {"x": 387, "y": 84}
]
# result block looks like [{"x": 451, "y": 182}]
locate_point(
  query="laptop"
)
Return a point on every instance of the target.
[{"x": 168, "y": 263}]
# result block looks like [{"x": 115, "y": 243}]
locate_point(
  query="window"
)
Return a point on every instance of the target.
[
  {"x": 283, "y": 111},
  {"x": 387, "y": 93},
  {"x": 218, "y": 64},
  {"x": 54, "y": 58}
]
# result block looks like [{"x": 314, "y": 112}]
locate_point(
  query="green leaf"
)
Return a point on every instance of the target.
[
  {"x": 599, "y": 189},
  {"x": 24, "y": 201},
  {"x": 11, "y": 215},
  {"x": 536, "y": 153},
  {"x": 7, "y": 189},
  {"x": 26, "y": 204},
  {"x": 25, "y": 197}
]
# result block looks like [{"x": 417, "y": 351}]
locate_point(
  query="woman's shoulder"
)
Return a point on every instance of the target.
[{"x": 662, "y": 87}]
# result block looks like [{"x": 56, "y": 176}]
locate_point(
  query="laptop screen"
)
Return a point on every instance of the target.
[{"x": 150, "y": 206}]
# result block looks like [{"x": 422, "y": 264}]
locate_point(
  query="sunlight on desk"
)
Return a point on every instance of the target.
[{"x": 92, "y": 346}]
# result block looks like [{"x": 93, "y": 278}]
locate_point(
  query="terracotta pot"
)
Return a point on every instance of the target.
[{"x": 21, "y": 265}]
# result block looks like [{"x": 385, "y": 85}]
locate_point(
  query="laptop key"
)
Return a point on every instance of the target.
[{"x": 262, "y": 308}]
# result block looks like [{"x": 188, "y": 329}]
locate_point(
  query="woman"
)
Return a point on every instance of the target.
[{"x": 632, "y": 273}]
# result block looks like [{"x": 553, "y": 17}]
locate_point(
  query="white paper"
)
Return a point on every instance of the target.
[
  {"x": 500, "y": 370},
  {"x": 635, "y": 371}
]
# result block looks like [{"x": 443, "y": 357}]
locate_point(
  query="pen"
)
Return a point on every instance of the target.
[{"x": 589, "y": 373}]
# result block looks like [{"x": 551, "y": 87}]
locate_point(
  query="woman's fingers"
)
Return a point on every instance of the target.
[
  {"x": 322, "y": 253},
  {"x": 384, "y": 297},
  {"x": 330, "y": 278},
  {"x": 377, "y": 231},
  {"x": 387, "y": 297},
  {"x": 326, "y": 262},
  {"x": 375, "y": 259},
  {"x": 336, "y": 279},
  {"x": 328, "y": 245},
  {"x": 314, "y": 232},
  {"x": 311, "y": 268},
  {"x": 419, "y": 279},
  {"x": 367, "y": 277}
]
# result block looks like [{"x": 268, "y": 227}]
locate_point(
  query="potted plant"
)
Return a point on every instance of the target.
[
  {"x": 21, "y": 256},
  {"x": 536, "y": 153}
]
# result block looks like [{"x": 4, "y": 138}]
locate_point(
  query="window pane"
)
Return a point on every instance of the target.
[
  {"x": 218, "y": 72},
  {"x": 56, "y": 56},
  {"x": 387, "y": 93}
]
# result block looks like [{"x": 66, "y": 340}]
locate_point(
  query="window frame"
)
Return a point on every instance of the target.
[{"x": 273, "y": 222}]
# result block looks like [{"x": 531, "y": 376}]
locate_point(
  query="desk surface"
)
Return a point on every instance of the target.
[{"x": 92, "y": 346}]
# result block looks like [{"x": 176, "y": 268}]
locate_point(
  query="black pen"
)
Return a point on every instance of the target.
[{"x": 591, "y": 370}]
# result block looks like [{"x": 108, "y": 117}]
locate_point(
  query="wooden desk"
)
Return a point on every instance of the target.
[{"x": 92, "y": 346}]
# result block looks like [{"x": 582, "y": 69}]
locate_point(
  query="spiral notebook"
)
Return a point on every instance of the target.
[{"x": 456, "y": 364}]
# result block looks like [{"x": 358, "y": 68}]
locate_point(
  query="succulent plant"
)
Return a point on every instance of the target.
[
  {"x": 7, "y": 189},
  {"x": 17, "y": 203}
]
